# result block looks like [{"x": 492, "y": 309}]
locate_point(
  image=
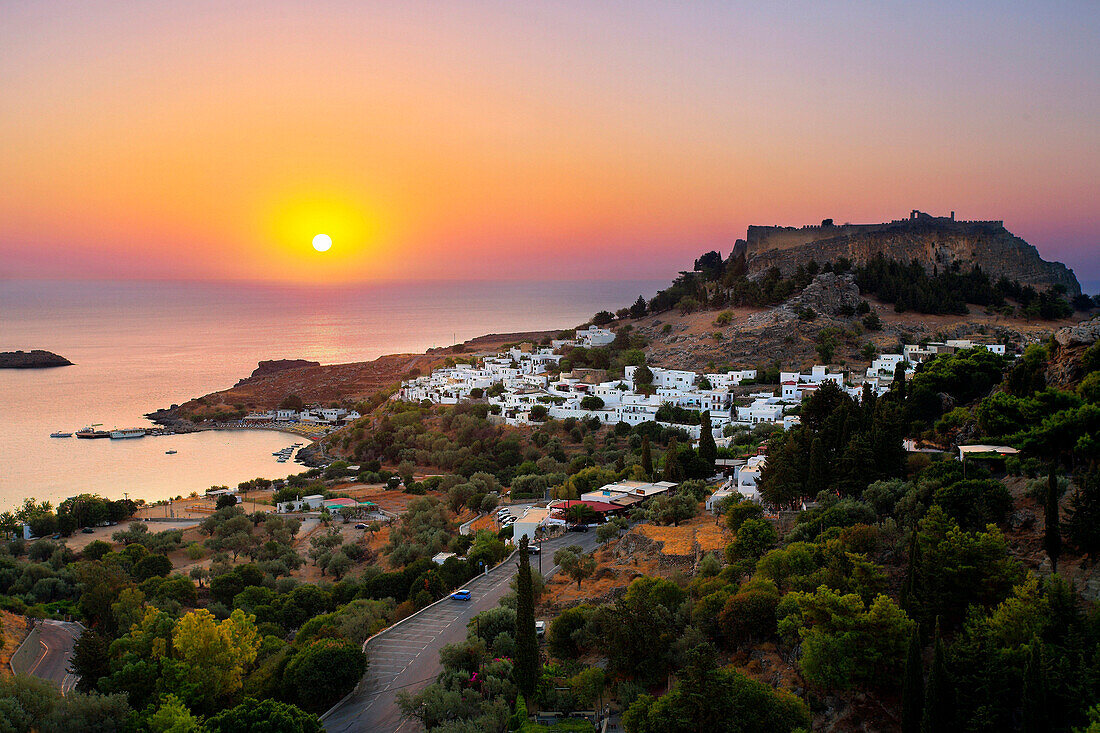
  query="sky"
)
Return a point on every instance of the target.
[{"x": 527, "y": 140}]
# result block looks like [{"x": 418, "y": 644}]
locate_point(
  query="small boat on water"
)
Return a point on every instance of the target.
[
  {"x": 61, "y": 434},
  {"x": 128, "y": 433},
  {"x": 91, "y": 432},
  {"x": 170, "y": 452}
]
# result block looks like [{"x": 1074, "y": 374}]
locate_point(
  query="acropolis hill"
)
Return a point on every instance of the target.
[{"x": 931, "y": 240}]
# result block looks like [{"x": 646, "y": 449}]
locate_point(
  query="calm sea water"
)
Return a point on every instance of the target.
[{"x": 141, "y": 346}]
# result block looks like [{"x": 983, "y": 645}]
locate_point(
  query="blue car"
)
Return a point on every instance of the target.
[{"x": 461, "y": 595}]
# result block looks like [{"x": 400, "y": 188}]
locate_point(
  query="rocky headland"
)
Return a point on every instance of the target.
[
  {"x": 933, "y": 241},
  {"x": 37, "y": 359}
]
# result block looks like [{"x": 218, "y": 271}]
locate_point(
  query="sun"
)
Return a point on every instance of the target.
[{"x": 322, "y": 242}]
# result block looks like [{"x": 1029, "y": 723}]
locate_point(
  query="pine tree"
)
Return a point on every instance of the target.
[
  {"x": 708, "y": 450},
  {"x": 647, "y": 458},
  {"x": 937, "y": 693},
  {"x": 1052, "y": 537},
  {"x": 526, "y": 670},
  {"x": 912, "y": 691},
  {"x": 1035, "y": 693}
]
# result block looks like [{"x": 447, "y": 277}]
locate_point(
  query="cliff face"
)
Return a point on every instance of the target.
[
  {"x": 36, "y": 359},
  {"x": 932, "y": 241}
]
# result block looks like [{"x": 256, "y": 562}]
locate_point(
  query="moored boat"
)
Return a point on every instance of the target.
[
  {"x": 128, "y": 433},
  {"x": 91, "y": 432},
  {"x": 61, "y": 434}
]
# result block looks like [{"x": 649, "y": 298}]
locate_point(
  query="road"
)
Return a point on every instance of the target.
[
  {"x": 407, "y": 656},
  {"x": 55, "y": 642}
]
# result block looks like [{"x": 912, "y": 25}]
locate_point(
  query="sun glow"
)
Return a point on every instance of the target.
[{"x": 298, "y": 227}]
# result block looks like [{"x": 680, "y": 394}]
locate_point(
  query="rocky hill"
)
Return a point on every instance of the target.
[
  {"x": 933, "y": 241},
  {"x": 37, "y": 359}
]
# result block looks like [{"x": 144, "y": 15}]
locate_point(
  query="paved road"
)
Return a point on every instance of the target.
[
  {"x": 407, "y": 657},
  {"x": 55, "y": 641}
]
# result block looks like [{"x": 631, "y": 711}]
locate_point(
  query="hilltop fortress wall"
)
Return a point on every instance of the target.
[{"x": 934, "y": 241}]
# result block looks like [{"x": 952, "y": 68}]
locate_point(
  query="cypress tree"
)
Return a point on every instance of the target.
[
  {"x": 672, "y": 468},
  {"x": 647, "y": 458},
  {"x": 912, "y": 690},
  {"x": 1052, "y": 536},
  {"x": 937, "y": 693},
  {"x": 526, "y": 670},
  {"x": 708, "y": 450},
  {"x": 911, "y": 586},
  {"x": 1035, "y": 693},
  {"x": 818, "y": 476}
]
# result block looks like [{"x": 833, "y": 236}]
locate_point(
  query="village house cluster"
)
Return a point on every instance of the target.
[{"x": 524, "y": 386}]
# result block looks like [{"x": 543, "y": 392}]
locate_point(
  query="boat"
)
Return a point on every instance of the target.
[
  {"x": 60, "y": 434},
  {"x": 91, "y": 432},
  {"x": 128, "y": 433},
  {"x": 170, "y": 452}
]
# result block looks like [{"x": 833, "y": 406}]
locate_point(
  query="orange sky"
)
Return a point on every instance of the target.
[{"x": 527, "y": 140}]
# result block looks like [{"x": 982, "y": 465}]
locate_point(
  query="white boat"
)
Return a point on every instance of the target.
[
  {"x": 169, "y": 452},
  {"x": 60, "y": 434},
  {"x": 128, "y": 433}
]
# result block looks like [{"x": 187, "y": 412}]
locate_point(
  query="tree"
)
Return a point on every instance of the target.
[
  {"x": 846, "y": 642},
  {"x": 753, "y": 539},
  {"x": 643, "y": 378},
  {"x": 1036, "y": 717},
  {"x": 318, "y": 675},
  {"x": 711, "y": 699},
  {"x": 912, "y": 690},
  {"x": 575, "y": 563},
  {"x": 672, "y": 470},
  {"x": 90, "y": 661},
  {"x": 938, "y": 692},
  {"x": 1052, "y": 533},
  {"x": 264, "y": 716},
  {"x": 292, "y": 402},
  {"x": 151, "y": 566},
  {"x": 210, "y": 657},
  {"x": 172, "y": 716},
  {"x": 526, "y": 669},
  {"x": 638, "y": 310},
  {"x": 647, "y": 457},
  {"x": 606, "y": 532},
  {"x": 1083, "y": 517},
  {"x": 592, "y": 402},
  {"x": 708, "y": 450}
]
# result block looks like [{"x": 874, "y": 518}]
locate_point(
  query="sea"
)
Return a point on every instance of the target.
[{"x": 140, "y": 346}]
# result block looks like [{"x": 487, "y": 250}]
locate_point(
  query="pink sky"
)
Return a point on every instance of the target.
[{"x": 206, "y": 140}]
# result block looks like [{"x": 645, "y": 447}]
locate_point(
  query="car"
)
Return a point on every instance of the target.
[
  {"x": 88, "y": 530},
  {"x": 56, "y": 537},
  {"x": 510, "y": 520},
  {"x": 533, "y": 549},
  {"x": 540, "y": 628},
  {"x": 461, "y": 595},
  {"x": 579, "y": 528},
  {"x": 360, "y": 526}
]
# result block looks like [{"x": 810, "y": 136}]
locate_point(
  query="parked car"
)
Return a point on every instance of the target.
[
  {"x": 461, "y": 595},
  {"x": 88, "y": 530},
  {"x": 533, "y": 549},
  {"x": 579, "y": 528},
  {"x": 540, "y": 628},
  {"x": 360, "y": 526}
]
